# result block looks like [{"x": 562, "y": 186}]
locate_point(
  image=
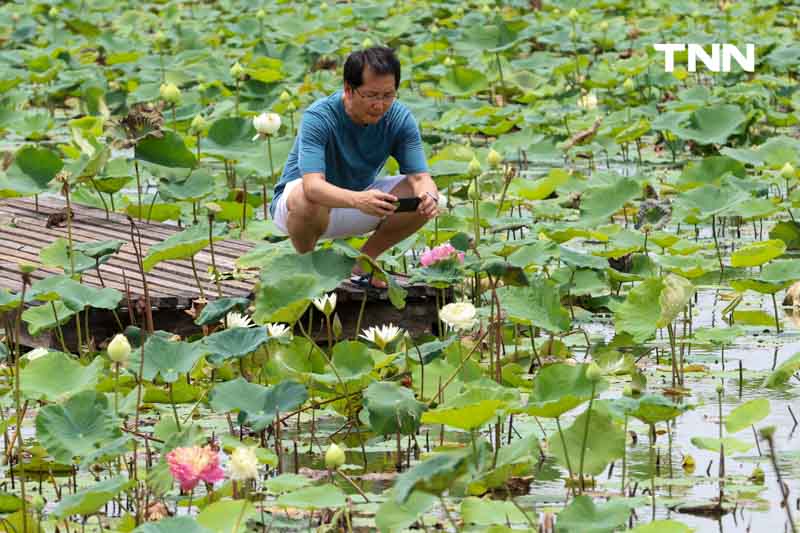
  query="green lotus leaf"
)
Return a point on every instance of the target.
[
  {"x": 605, "y": 442},
  {"x": 225, "y": 515},
  {"x": 709, "y": 171},
  {"x": 712, "y": 124},
  {"x": 193, "y": 188},
  {"x": 662, "y": 526},
  {"x": 286, "y": 483},
  {"x": 216, "y": 311},
  {"x": 757, "y": 253},
  {"x": 9, "y": 300},
  {"x": 289, "y": 281},
  {"x": 640, "y": 313},
  {"x": 89, "y": 500},
  {"x": 317, "y": 497},
  {"x": 31, "y": 172},
  {"x": 784, "y": 372},
  {"x": 434, "y": 475},
  {"x": 168, "y": 151},
  {"x": 57, "y": 255},
  {"x": 731, "y": 445},
  {"x": 232, "y": 138},
  {"x": 467, "y": 417},
  {"x": 487, "y": 512},
  {"x": 77, "y": 427},
  {"x": 166, "y": 358},
  {"x": 182, "y": 245},
  {"x": 583, "y": 515},
  {"x": 692, "y": 266},
  {"x": 463, "y": 81},
  {"x": 234, "y": 342},
  {"x": 43, "y": 317},
  {"x": 158, "y": 212},
  {"x": 256, "y": 404},
  {"x": 74, "y": 294},
  {"x": 652, "y": 408},
  {"x": 538, "y": 304},
  {"x": 746, "y": 415},
  {"x": 391, "y": 408},
  {"x": 675, "y": 296},
  {"x": 99, "y": 250},
  {"x": 541, "y": 188},
  {"x": 602, "y": 202},
  {"x": 789, "y": 232},
  {"x": 394, "y": 516},
  {"x": 178, "y": 524},
  {"x": 57, "y": 375},
  {"x": 559, "y": 388},
  {"x": 353, "y": 362}
]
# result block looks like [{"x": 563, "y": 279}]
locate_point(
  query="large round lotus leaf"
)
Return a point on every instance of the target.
[
  {"x": 178, "y": 524},
  {"x": 662, "y": 526},
  {"x": 42, "y": 317},
  {"x": 318, "y": 497},
  {"x": 258, "y": 405},
  {"x": 75, "y": 295},
  {"x": 758, "y": 253},
  {"x": 224, "y": 515},
  {"x": 538, "y": 304},
  {"x": 466, "y": 417},
  {"x": 57, "y": 375},
  {"x": 746, "y": 415},
  {"x": 99, "y": 249},
  {"x": 215, "y": 311},
  {"x": 541, "y": 188},
  {"x": 744, "y": 285},
  {"x": 166, "y": 358},
  {"x": 234, "y": 342},
  {"x": 652, "y": 409},
  {"x": 77, "y": 427},
  {"x": 56, "y": 254},
  {"x": 158, "y": 212},
  {"x": 353, "y": 362},
  {"x": 778, "y": 151},
  {"x": 32, "y": 170},
  {"x": 712, "y": 124},
  {"x": 784, "y": 372},
  {"x": 560, "y": 387},
  {"x": 788, "y": 231},
  {"x": 463, "y": 81},
  {"x": 392, "y": 408},
  {"x": 191, "y": 189},
  {"x": 89, "y": 500},
  {"x": 605, "y": 442},
  {"x": 708, "y": 171},
  {"x": 640, "y": 312},
  {"x": 718, "y": 335},
  {"x": 710, "y": 200},
  {"x": 585, "y": 516},
  {"x": 232, "y": 138},
  {"x": 731, "y": 444},
  {"x": 692, "y": 266},
  {"x": 286, "y": 483},
  {"x": 394, "y": 516},
  {"x": 289, "y": 281},
  {"x": 182, "y": 245},
  {"x": 168, "y": 150},
  {"x": 602, "y": 202},
  {"x": 8, "y": 300},
  {"x": 434, "y": 475}
]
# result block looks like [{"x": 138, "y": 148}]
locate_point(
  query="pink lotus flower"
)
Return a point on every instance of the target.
[
  {"x": 192, "y": 464},
  {"x": 442, "y": 252}
]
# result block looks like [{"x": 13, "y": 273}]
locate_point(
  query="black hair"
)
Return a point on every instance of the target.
[{"x": 380, "y": 59}]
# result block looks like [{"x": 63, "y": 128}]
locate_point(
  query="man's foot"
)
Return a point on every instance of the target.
[{"x": 363, "y": 279}]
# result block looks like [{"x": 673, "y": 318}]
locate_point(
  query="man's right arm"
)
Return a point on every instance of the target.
[{"x": 372, "y": 202}]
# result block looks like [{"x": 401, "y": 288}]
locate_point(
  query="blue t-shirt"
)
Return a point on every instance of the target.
[{"x": 349, "y": 155}]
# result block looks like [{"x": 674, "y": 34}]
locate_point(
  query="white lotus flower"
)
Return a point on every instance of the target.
[
  {"x": 588, "y": 101},
  {"x": 266, "y": 124},
  {"x": 243, "y": 464},
  {"x": 276, "y": 330},
  {"x": 238, "y": 320},
  {"x": 381, "y": 335},
  {"x": 459, "y": 316},
  {"x": 326, "y": 304}
]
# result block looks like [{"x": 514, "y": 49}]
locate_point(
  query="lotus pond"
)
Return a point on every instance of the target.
[{"x": 611, "y": 350}]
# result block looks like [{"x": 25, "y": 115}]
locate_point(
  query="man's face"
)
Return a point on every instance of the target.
[{"x": 373, "y": 98}]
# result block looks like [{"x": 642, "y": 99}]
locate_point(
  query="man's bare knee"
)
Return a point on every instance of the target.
[{"x": 308, "y": 214}]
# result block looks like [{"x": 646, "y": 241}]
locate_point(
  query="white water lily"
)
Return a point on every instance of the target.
[
  {"x": 276, "y": 330},
  {"x": 459, "y": 316},
  {"x": 238, "y": 320},
  {"x": 325, "y": 304},
  {"x": 381, "y": 335},
  {"x": 266, "y": 124},
  {"x": 243, "y": 464}
]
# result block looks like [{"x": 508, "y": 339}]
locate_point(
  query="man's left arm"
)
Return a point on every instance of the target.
[{"x": 425, "y": 189}]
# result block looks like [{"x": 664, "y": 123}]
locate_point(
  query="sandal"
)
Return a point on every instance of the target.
[{"x": 365, "y": 281}]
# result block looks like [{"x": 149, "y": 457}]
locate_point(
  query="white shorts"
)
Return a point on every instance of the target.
[{"x": 344, "y": 221}]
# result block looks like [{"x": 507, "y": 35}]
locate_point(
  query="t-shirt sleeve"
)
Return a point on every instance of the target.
[
  {"x": 313, "y": 137},
  {"x": 407, "y": 149}
]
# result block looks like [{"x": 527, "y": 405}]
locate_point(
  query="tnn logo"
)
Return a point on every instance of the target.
[{"x": 695, "y": 51}]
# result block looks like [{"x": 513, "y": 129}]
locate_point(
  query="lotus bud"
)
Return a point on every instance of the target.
[
  {"x": 449, "y": 62},
  {"x": 119, "y": 348},
  {"x": 267, "y": 123},
  {"x": 291, "y": 108},
  {"x": 170, "y": 93},
  {"x": 434, "y": 29},
  {"x": 213, "y": 208},
  {"x": 594, "y": 372},
  {"x": 26, "y": 268},
  {"x": 767, "y": 432},
  {"x": 494, "y": 158},
  {"x": 323, "y": 6},
  {"x": 198, "y": 124},
  {"x": 474, "y": 167},
  {"x": 719, "y": 388},
  {"x": 285, "y": 97},
  {"x": 486, "y": 9},
  {"x": 334, "y": 457},
  {"x": 757, "y": 476},
  {"x": 627, "y": 391},
  {"x": 787, "y": 171},
  {"x": 628, "y": 85},
  {"x": 53, "y": 13},
  {"x": 159, "y": 38},
  {"x": 37, "y": 502},
  {"x": 367, "y": 43},
  {"x": 603, "y": 25},
  {"x": 337, "y": 326},
  {"x": 237, "y": 71},
  {"x": 261, "y": 14},
  {"x": 572, "y": 15}
]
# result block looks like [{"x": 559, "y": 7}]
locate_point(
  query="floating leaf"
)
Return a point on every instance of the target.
[
  {"x": 559, "y": 388},
  {"x": 392, "y": 408},
  {"x": 746, "y": 415},
  {"x": 58, "y": 375},
  {"x": 758, "y": 253},
  {"x": 168, "y": 151},
  {"x": 89, "y": 500},
  {"x": 182, "y": 245},
  {"x": 605, "y": 442},
  {"x": 318, "y": 497},
  {"x": 538, "y": 304},
  {"x": 583, "y": 515}
]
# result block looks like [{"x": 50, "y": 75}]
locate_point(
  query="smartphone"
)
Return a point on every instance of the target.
[{"x": 406, "y": 205}]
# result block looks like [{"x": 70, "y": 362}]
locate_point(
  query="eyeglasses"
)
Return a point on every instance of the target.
[{"x": 375, "y": 97}]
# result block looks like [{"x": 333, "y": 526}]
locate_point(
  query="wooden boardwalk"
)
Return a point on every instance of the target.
[{"x": 172, "y": 286}]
